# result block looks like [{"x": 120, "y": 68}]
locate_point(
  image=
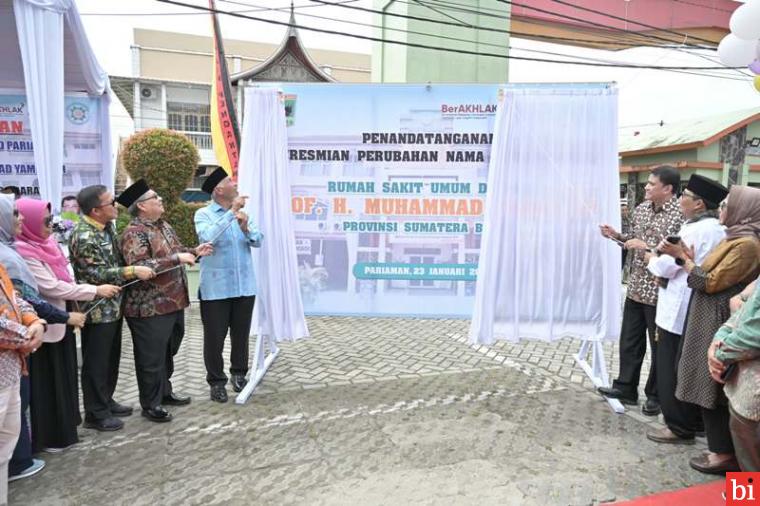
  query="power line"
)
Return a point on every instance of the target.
[
  {"x": 626, "y": 42},
  {"x": 712, "y": 8},
  {"x": 462, "y": 8},
  {"x": 680, "y": 49},
  {"x": 497, "y": 30},
  {"x": 592, "y": 23},
  {"x": 480, "y": 12},
  {"x": 442, "y": 13},
  {"x": 612, "y": 16},
  {"x": 149, "y": 14},
  {"x": 591, "y": 59},
  {"x": 436, "y": 48}
]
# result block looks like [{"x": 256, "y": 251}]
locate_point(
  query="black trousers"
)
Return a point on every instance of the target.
[
  {"x": 172, "y": 348},
  {"x": 153, "y": 339},
  {"x": 218, "y": 317},
  {"x": 717, "y": 429},
  {"x": 682, "y": 418},
  {"x": 638, "y": 321},
  {"x": 101, "y": 354}
]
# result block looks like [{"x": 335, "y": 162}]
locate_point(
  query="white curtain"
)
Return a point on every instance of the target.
[
  {"x": 544, "y": 270},
  {"x": 55, "y": 56},
  {"x": 40, "y": 37},
  {"x": 263, "y": 176},
  {"x": 81, "y": 66}
]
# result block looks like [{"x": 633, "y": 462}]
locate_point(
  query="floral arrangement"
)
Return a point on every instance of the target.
[{"x": 63, "y": 224}]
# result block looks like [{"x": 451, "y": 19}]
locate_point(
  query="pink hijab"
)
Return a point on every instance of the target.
[{"x": 30, "y": 244}]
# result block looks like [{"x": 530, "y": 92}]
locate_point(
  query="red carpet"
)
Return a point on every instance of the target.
[{"x": 706, "y": 494}]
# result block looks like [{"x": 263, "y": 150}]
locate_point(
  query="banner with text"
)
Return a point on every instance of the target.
[
  {"x": 389, "y": 186},
  {"x": 81, "y": 150}
]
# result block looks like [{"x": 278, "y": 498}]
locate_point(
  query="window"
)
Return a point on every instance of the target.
[
  {"x": 174, "y": 121},
  {"x": 191, "y": 123},
  {"x": 188, "y": 117}
]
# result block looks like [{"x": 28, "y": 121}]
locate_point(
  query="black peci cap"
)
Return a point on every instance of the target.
[
  {"x": 214, "y": 179},
  {"x": 132, "y": 193},
  {"x": 707, "y": 189}
]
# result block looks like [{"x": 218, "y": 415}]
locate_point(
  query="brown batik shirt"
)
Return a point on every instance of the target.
[
  {"x": 154, "y": 244},
  {"x": 651, "y": 225}
]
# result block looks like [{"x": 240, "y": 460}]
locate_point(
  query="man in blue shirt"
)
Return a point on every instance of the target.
[{"x": 228, "y": 284}]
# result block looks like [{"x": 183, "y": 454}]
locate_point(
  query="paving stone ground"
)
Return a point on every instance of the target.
[{"x": 375, "y": 411}]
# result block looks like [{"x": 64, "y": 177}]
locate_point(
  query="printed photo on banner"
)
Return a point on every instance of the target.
[{"x": 389, "y": 188}]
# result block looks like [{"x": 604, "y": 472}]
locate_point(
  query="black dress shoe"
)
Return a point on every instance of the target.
[
  {"x": 157, "y": 414},
  {"x": 104, "y": 425},
  {"x": 218, "y": 393},
  {"x": 120, "y": 410},
  {"x": 238, "y": 382},
  {"x": 175, "y": 399},
  {"x": 651, "y": 408},
  {"x": 616, "y": 393}
]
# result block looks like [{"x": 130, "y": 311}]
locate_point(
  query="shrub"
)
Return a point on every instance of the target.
[
  {"x": 181, "y": 218},
  {"x": 167, "y": 161}
]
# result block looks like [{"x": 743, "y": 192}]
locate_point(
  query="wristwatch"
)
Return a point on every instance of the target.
[{"x": 680, "y": 261}]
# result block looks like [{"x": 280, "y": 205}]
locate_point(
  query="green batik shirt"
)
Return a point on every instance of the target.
[{"x": 96, "y": 258}]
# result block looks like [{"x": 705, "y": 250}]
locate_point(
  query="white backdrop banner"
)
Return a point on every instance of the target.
[
  {"x": 82, "y": 152},
  {"x": 389, "y": 186}
]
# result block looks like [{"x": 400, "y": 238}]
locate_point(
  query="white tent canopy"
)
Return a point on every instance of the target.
[{"x": 45, "y": 51}]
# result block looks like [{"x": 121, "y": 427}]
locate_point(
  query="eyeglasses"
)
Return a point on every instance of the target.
[
  {"x": 112, "y": 203},
  {"x": 689, "y": 195},
  {"x": 156, "y": 196}
]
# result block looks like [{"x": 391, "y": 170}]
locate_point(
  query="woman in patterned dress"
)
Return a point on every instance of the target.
[{"x": 726, "y": 271}]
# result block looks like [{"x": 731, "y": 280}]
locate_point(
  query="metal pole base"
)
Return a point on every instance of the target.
[
  {"x": 260, "y": 366},
  {"x": 597, "y": 372}
]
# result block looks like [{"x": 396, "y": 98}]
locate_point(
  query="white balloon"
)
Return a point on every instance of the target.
[
  {"x": 735, "y": 52},
  {"x": 745, "y": 21}
]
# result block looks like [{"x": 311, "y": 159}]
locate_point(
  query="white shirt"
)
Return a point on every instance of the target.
[{"x": 673, "y": 301}]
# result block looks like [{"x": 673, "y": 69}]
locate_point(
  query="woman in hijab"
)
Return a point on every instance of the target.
[
  {"x": 20, "y": 334},
  {"x": 53, "y": 370},
  {"x": 22, "y": 464},
  {"x": 727, "y": 270}
]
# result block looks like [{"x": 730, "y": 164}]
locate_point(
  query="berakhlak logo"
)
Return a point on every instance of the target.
[
  {"x": 741, "y": 489},
  {"x": 468, "y": 109},
  {"x": 78, "y": 113}
]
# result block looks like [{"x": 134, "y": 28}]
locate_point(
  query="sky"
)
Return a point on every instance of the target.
[{"x": 646, "y": 96}]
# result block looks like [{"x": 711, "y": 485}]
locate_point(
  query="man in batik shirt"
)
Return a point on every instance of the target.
[
  {"x": 96, "y": 259},
  {"x": 155, "y": 309},
  {"x": 658, "y": 217}
]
